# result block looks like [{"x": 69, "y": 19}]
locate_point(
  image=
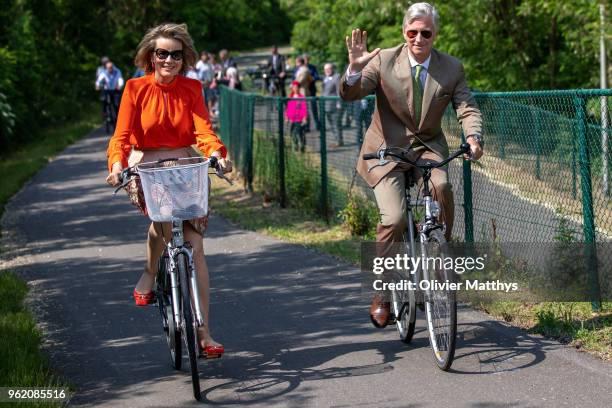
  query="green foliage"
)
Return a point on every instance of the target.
[
  {"x": 564, "y": 232},
  {"x": 23, "y": 163},
  {"x": 504, "y": 44},
  {"x": 359, "y": 216},
  {"x": 50, "y": 50},
  {"x": 302, "y": 179}
]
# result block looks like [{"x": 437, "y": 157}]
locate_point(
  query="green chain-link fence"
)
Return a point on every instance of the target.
[{"x": 545, "y": 173}]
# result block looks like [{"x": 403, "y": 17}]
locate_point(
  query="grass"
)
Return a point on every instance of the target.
[
  {"x": 570, "y": 323},
  {"x": 298, "y": 226},
  {"x": 23, "y": 364}
]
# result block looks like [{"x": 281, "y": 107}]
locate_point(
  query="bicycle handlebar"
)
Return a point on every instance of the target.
[
  {"x": 402, "y": 156},
  {"x": 127, "y": 173}
]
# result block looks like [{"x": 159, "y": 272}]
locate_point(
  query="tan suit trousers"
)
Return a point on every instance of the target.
[{"x": 391, "y": 199}]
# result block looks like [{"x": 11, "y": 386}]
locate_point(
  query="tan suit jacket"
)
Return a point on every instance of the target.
[{"x": 393, "y": 124}]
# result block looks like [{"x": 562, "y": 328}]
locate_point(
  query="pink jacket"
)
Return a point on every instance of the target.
[{"x": 296, "y": 110}]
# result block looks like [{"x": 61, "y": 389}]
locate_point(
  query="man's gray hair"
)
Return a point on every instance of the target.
[{"x": 421, "y": 10}]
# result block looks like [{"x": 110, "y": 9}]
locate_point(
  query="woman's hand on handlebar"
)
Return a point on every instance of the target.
[
  {"x": 113, "y": 177},
  {"x": 225, "y": 165}
]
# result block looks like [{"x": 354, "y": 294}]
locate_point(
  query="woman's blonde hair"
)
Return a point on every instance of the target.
[{"x": 168, "y": 30}]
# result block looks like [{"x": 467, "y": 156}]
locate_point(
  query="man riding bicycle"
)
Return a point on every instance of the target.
[
  {"x": 110, "y": 81},
  {"x": 414, "y": 84}
]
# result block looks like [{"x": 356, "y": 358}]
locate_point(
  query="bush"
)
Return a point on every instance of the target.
[{"x": 360, "y": 216}]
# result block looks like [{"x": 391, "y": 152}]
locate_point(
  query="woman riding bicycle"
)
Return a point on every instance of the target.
[{"x": 161, "y": 115}]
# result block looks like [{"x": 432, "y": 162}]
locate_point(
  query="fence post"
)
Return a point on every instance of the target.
[
  {"x": 468, "y": 211},
  {"x": 249, "y": 143},
  {"x": 281, "y": 154},
  {"x": 587, "y": 203},
  {"x": 504, "y": 132},
  {"x": 538, "y": 143},
  {"x": 574, "y": 192},
  {"x": 323, "y": 153}
]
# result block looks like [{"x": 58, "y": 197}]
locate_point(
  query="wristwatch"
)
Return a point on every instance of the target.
[{"x": 477, "y": 138}]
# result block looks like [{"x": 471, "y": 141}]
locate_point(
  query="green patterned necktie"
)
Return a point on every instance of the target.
[{"x": 417, "y": 93}]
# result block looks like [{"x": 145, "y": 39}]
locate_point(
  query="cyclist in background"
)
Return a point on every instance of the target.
[
  {"x": 101, "y": 67},
  {"x": 110, "y": 82}
]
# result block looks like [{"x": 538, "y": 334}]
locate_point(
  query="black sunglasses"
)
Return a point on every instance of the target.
[
  {"x": 163, "y": 54},
  {"x": 424, "y": 33}
]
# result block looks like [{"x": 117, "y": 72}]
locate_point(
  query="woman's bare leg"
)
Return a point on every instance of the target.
[
  {"x": 155, "y": 246},
  {"x": 203, "y": 282}
]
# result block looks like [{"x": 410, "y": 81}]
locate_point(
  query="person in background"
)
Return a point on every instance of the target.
[
  {"x": 138, "y": 73},
  {"x": 191, "y": 73},
  {"x": 277, "y": 71},
  {"x": 214, "y": 85},
  {"x": 296, "y": 115},
  {"x": 206, "y": 75},
  {"x": 161, "y": 116},
  {"x": 312, "y": 91},
  {"x": 110, "y": 82},
  {"x": 226, "y": 62},
  {"x": 233, "y": 79},
  {"x": 331, "y": 88},
  {"x": 364, "y": 118},
  {"x": 302, "y": 76},
  {"x": 101, "y": 67}
]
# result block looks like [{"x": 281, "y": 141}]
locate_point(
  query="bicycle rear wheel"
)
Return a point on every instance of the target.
[
  {"x": 164, "y": 302},
  {"x": 440, "y": 303},
  {"x": 189, "y": 325},
  {"x": 403, "y": 304}
]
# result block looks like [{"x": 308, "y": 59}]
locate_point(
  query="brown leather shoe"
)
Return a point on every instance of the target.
[{"x": 380, "y": 311}]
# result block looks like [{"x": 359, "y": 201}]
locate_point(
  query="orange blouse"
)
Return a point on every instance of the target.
[{"x": 154, "y": 115}]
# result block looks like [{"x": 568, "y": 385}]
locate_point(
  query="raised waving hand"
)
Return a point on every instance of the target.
[{"x": 357, "y": 46}]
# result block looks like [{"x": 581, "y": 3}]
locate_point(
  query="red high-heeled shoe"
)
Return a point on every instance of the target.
[
  {"x": 212, "y": 351},
  {"x": 144, "y": 299}
]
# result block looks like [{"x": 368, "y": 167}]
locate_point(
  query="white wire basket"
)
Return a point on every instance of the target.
[{"x": 176, "y": 189}]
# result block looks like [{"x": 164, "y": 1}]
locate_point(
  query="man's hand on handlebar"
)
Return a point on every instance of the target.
[{"x": 475, "y": 150}]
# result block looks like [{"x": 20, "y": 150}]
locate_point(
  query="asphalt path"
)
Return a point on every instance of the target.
[{"x": 294, "y": 322}]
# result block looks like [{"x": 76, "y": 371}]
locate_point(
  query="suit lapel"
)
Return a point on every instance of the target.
[
  {"x": 431, "y": 85},
  {"x": 403, "y": 72}
]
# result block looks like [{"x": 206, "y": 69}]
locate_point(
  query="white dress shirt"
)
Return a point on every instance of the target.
[{"x": 351, "y": 78}]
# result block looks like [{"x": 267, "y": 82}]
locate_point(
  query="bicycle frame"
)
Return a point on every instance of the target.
[
  {"x": 440, "y": 310},
  {"x": 175, "y": 247}
]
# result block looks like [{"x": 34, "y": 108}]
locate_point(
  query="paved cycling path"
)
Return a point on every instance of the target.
[{"x": 293, "y": 321}]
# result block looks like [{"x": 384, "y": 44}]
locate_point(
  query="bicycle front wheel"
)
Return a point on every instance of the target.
[
  {"x": 440, "y": 301},
  {"x": 164, "y": 302},
  {"x": 403, "y": 305},
  {"x": 189, "y": 325}
]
